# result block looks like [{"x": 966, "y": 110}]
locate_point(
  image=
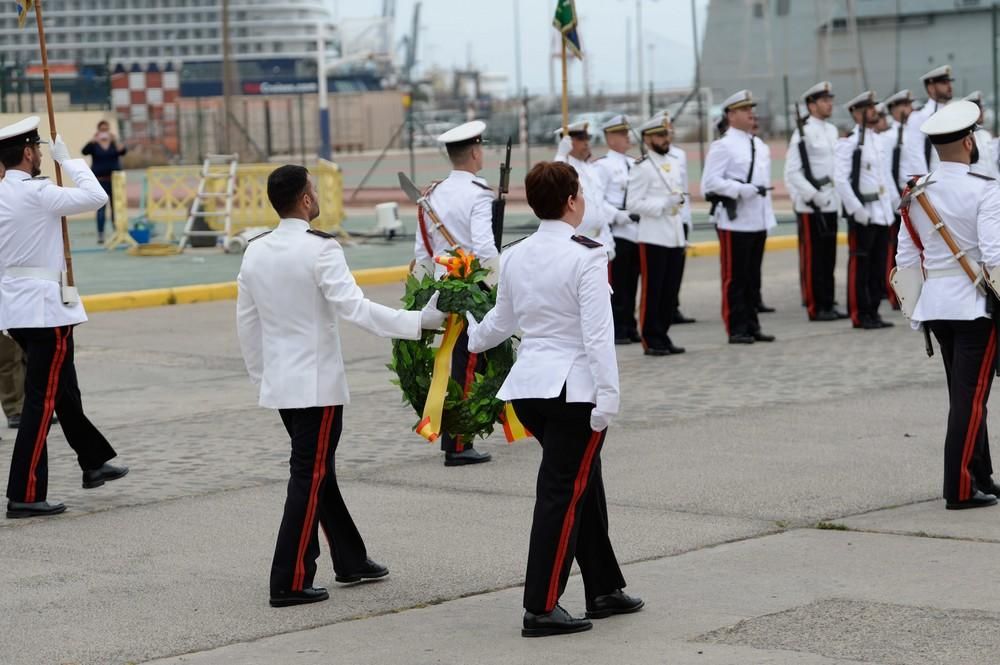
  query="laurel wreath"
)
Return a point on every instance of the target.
[{"x": 477, "y": 413}]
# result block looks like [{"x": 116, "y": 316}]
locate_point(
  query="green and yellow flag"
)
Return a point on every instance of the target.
[
  {"x": 565, "y": 23},
  {"x": 24, "y": 7}
]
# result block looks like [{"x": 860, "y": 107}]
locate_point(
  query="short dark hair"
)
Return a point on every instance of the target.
[
  {"x": 285, "y": 186},
  {"x": 13, "y": 156},
  {"x": 548, "y": 185},
  {"x": 459, "y": 152},
  {"x": 104, "y": 122}
]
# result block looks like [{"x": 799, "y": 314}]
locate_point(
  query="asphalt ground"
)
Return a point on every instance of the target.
[{"x": 777, "y": 503}]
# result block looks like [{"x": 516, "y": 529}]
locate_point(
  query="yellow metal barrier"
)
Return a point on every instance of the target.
[
  {"x": 119, "y": 206},
  {"x": 170, "y": 191}
]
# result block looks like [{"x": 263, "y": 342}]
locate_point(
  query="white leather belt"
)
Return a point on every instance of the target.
[
  {"x": 35, "y": 273},
  {"x": 945, "y": 272}
]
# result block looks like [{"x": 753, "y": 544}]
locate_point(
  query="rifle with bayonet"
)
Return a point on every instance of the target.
[
  {"x": 500, "y": 202},
  {"x": 856, "y": 168},
  {"x": 897, "y": 153},
  {"x": 806, "y": 166}
]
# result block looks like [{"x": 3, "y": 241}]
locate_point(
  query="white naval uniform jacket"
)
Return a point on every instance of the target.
[
  {"x": 726, "y": 168},
  {"x": 464, "y": 203},
  {"x": 31, "y": 237},
  {"x": 555, "y": 290},
  {"x": 294, "y": 287},
  {"x": 597, "y": 213},
  {"x": 821, "y": 144},
  {"x": 913, "y": 160},
  {"x": 876, "y": 178},
  {"x": 614, "y": 168},
  {"x": 969, "y": 206},
  {"x": 987, "y": 163},
  {"x": 651, "y": 182}
]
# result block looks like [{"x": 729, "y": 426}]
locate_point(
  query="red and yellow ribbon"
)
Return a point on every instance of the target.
[
  {"x": 459, "y": 266},
  {"x": 513, "y": 428},
  {"x": 429, "y": 426}
]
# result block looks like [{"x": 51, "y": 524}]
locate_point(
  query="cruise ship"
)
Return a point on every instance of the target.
[{"x": 159, "y": 32}]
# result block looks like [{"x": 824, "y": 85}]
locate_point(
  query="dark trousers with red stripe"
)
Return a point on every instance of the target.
[
  {"x": 464, "y": 365},
  {"x": 571, "y": 513},
  {"x": 890, "y": 262},
  {"x": 868, "y": 245},
  {"x": 818, "y": 259},
  {"x": 624, "y": 282},
  {"x": 740, "y": 256},
  {"x": 662, "y": 268},
  {"x": 50, "y": 385},
  {"x": 968, "y": 349},
  {"x": 313, "y": 500}
]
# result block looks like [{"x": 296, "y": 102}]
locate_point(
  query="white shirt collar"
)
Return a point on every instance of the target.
[
  {"x": 738, "y": 133},
  {"x": 464, "y": 175},
  {"x": 556, "y": 226},
  {"x": 294, "y": 224},
  {"x": 953, "y": 167},
  {"x": 17, "y": 174}
]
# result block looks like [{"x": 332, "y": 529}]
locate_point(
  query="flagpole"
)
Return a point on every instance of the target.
[
  {"x": 565, "y": 90},
  {"x": 52, "y": 131}
]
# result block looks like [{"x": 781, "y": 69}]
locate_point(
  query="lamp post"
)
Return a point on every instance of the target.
[{"x": 325, "y": 147}]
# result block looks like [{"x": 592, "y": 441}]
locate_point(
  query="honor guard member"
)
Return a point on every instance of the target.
[
  {"x": 864, "y": 184},
  {"x": 564, "y": 388},
  {"x": 574, "y": 149},
  {"x": 900, "y": 106},
  {"x": 294, "y": 287},
  {"x": 815, "y": 200},
  {"x": 614, "y": 168},
  {"x": 658, "y": 183},
  {"x": 937, "y": 292},
  {"x": 987, "y": 164},
  {"x": 737, "y": 182},
  {"x": 464, "y": 204},
  {"x": 918, "y": 157},
  {"x": 40, "y": 317}
]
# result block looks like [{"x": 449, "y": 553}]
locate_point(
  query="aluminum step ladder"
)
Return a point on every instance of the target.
[{"x": 217, "y": 170}]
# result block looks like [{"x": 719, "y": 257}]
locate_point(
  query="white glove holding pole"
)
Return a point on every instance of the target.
[
  {"x": 565, "y": 146},
  {"x": 599, "y": 421},
  {"x": 748, "y": 191},
  {"x": 60, "y": 152},
  {"x": 621, "y": 218},
  {"x": 862, "y": 217},
  {"x": 822, "y": 199},
  {"x": 431, "y": 318}
]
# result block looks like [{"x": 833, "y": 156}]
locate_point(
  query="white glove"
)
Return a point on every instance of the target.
[
  {"x": 621, "y": 218},
  {"x": 862, "y": 217},
  {"x": 611, "y": 254},
  {"x": 471, "y": 323},
  {"x": 60, "y": 152},
  {"x": 674, "y": 201},
  {"x": 748, "y": 191},
  {"x": 599, "y": 420},
  {"x": 565, "y": 146},
  {"x": 822, "y": 199},
  {"x": 431, "y": 318}
]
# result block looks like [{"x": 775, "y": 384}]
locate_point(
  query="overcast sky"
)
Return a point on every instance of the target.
[{"x": 455, "y": 31}]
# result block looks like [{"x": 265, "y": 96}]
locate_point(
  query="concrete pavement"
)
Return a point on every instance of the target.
[{"x": 773, "y": 504}]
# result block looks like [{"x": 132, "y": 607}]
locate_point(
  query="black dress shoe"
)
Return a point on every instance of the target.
[
  {"x": 869, "y": 324},
  {"x": 467, "y": 456},
  {"x": 977, "y": 500},
  {"x": 618, "y": 602},
  {"x": 764, "y": 309},
  {"x": 825, "y": 315},
  {"x": 882, "y": 323},
  {"x": 18, "y": 509},
  {"x": 680, "y": 318},
  {"x": 14, "y": 421},
  {"x": 741, "y": 339},
  {"x": 623, "y": 340},
  {"x": 673, "y": 348},
  {"x": 304, "y": 597},
  {"x": 369, "y": 571},
  {"x": 635, "y": 336},
  {"x": 657, "y": 351},
  {"x": 556, "y": 622},
  {"x": 107, "y": 472},
  {"x": 761, "y": 337}
]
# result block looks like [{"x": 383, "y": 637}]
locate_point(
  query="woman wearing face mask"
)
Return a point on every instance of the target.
[{"x": 105, "y": 159}]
